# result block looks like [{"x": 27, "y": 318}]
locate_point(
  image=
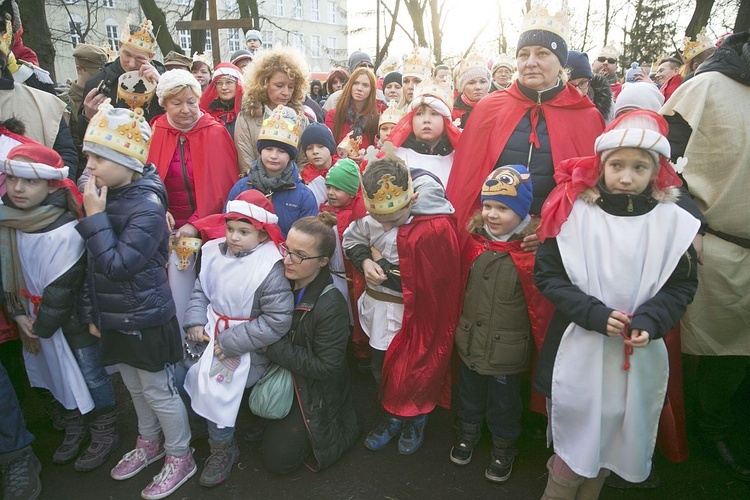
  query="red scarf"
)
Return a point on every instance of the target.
[
  {"x": 668, "y": 88},
  {"x": 211, "y": 94},
  {"x": 404, "y": 128}
]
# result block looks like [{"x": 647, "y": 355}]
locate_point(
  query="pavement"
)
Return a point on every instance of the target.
[{"x": 361, "y": 473}]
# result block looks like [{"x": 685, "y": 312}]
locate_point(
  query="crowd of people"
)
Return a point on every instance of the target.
[{"x": 212, "y": 230}]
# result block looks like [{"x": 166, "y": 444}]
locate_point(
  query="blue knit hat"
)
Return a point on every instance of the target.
[
  {"x": 317, "y": 133},
  {"x": 579, "y": 65},
  {"x": 511, "y": 186}
]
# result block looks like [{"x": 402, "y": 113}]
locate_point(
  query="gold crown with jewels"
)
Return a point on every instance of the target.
[
  {"x": 391, "y": 114},
  {"x": 125, "y": 131},
  {"x": 429, "y": 87},
  {"x": 389, "y": 197},
  {"x": 139, "y": 37},
  {"x": 419, "y": 63},
  {"x": 539, "y": 18},
  {"x": 701, "y": 44},
  {"x": 282, "y": 126}
]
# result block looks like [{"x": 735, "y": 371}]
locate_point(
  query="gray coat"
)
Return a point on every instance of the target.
[{"x": 273, "y": 303}]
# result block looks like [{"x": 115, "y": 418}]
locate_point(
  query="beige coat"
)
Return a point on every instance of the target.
[{"x": 246, "y": 132}]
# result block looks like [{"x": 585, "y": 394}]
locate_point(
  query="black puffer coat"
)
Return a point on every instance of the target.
[
  {"x": 315, "y": 352},
  {"x": 126, "y": 286}
]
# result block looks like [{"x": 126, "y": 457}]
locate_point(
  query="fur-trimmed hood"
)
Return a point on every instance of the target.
[
  {"x": 668, "y": 195},
  {"x": 600, "y": 93}
]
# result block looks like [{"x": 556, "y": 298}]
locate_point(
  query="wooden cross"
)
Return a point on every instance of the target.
[{"x": 214, "y": 24}]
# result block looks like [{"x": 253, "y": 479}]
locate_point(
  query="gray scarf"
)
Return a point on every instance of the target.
[{"x": 261, "y": 181}]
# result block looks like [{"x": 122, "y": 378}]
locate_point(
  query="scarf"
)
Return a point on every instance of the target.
[
  {"x": 28, "y": 221},
  {"x": 261, "y": 181}
]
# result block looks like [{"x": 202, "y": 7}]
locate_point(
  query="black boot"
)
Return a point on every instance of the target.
[
  {"x": 76, "y": 435},
  {"x": 734, "y": 464},
  {"x": 54, "y": 410},
  {"x": 104, "y": 441},
  {"x": 468, "y": 437},
  {"x": 20, "y": 470},
  {"x": 501, "y": 463}
]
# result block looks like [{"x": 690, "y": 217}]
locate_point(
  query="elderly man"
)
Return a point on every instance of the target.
[
  {"x": 137, "y": 50},
  {"x": 710, "y": 130},
  {"x": 606, "y": 64}
]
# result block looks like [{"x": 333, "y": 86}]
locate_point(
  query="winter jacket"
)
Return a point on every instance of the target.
[
  {"x": 600, "y": 94},
  {"x": 494, "y": 333},
  {"x": 246, "y": 132},
  {"x": 272, "y": 307},
  {"x": 128, "y": 244},
  {"x": 314, "y": 351},
  {"x": 180, "y": 184},
  {"x": 291, "y": 202},
  {"x": 656, "y": 316}
]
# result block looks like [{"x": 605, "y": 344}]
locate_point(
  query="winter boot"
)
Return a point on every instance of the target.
[
  {"x": 20, "y": 470},
  {"x": 468, "y": 437},
  {"x": 134, "y": 461},
  {"x": 501, "y": 460},
  {"x": 54, "y": 410},
  {"x": 383, "y": 433},
  {"x": 176, "y": 471},
  {"x": 76, "y": 435},
  {"x": 412, "y": 435},
  {"x": 590, "y": 488},
  {"x": 104, "y": 441},
  {"x": 219, "y": 464},
  {"x": 559, "y": 488}
]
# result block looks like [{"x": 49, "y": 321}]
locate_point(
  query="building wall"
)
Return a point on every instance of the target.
[{"x": 317, "y": 27}]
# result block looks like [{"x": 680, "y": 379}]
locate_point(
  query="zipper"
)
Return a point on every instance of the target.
[
  {"x": 690, "y": 263},
  {"x": 185, "y": 174},
  {"x": 630, "y": 204}
]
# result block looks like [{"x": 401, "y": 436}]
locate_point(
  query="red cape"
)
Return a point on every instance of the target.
[
  {"x": 670, "y": 86},
  {"x": 213, "y": 156},
  {"x": 416, "y": 370},
  {"x": 573, "y": 123}
]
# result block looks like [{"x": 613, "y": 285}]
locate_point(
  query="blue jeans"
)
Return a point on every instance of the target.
[
  {"x": 96, "y": 377},
  {"x": 13, "y": 433},
  {"x": 219, "y": 435},
  {"x": 496, "y": 398}
]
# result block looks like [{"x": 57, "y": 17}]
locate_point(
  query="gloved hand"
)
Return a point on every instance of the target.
[{"x": 223, "y": 369}]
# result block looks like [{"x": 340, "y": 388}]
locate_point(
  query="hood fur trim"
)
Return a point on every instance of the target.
[
  {"x": 668, "y": 195},
  {"x": 602, "y": 98}
]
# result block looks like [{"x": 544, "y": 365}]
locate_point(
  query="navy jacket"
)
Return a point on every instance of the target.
[{"x": 126, "y": 285}]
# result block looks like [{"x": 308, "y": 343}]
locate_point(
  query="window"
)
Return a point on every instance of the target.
[
  {"x": 108, "y": 3},
  {"x": 315, "y": 45},
  {"x": 332, "y": 44},
  {"x": 113, "y": 34},
  {"x": 278, "y": 8},
  {"x": 185, "y": 40},
  {"x": 332, "y": 13},
  {"x": 298, "y": 12},
  {"x": 315, "y": 10},
  {"x": 234, "y": 40},
  {"x": 74, "y": 27},
  {"x": 269, "y": 38},
  {"x": 209, "y": 44},
  {"x": 298, "y": 40}
]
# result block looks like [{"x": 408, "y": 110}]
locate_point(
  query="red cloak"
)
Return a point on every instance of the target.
[
  {"x": 214, "y": 159},
  {"x": 668, "y": 88},
  {"x": 416, "y": 370},
  {"x": 573, "y": 123}
]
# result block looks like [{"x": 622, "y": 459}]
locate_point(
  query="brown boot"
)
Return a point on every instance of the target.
[
  {"x": 76, "y": 435},
  {"x": 104, "y": 441},
  {"x": 559, "y": 488},
  {"x": 591, "y": 488}
]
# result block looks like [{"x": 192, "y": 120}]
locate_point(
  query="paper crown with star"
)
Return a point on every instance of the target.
[
  {"x": 139, "y": 37},
  {"x": 431, "y": 88},
  {"x": 282, "y": 126},
  {"x": 390, "y": 196},
  {"x": 694, "y": 48},
  {"x": 122, "y": 130},
  {"x": 391, "y": 114},
  {"x": 539, "y": 18},
  {"x": 418, "y": 63}
]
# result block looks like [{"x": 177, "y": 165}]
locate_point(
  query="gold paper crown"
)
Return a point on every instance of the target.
[
  {"x": 389, "y": 65},
  {"x": 125, "y": 131},
  {"x": 142, "y": 38},
  {"x": 539, "y": 18},
  {"x": 433, "y": 88},
  {"x": 419, "y": 63},
  {"x": 282, "y": 126},
  {"x": 391, "y": 114},
  {"x": 111, "y": 55},
  {"x": 504, "y": 60},
  {"x": 6, "y": 40},
  {"x": 701, "y": 44},
  {"x": 349, "y": 146},
  {"x": 609, "y": 51},
  {"x": 472, "y": 61},
  {"x": 207, "y": 59},
  {"x": 655, "y": 64},
  {"x": 135, "y": 90},
  {"x": 389, "y": 197}
]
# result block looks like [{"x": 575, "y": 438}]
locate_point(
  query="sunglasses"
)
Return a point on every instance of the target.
[{"x": 610, "y": 60}]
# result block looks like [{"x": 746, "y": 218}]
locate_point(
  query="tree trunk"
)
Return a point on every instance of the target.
[
  {"x": 700, "y": 17},
  {"x": 502, "y": 43},
  {"x": 389, "y": 37},
  {"x": 437, "y": 32},
  {"x": 742, "y": 23},
  {"x": 198, "y": 37},
  {"x": 606, "y": 21},
  {"x": 586, "y": 27},
  {"x": 36, "y": 34},
  {"x": 416, "y": 13},
  {"x": 159, "y": 20},
  {"x": 249, "y": 10}
]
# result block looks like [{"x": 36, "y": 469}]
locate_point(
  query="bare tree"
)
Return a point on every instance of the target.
[
  {"x": 586, "y": 26},
  {"x": 502, "y": 42},
  {"x": 742, "y": 23},
  {"x": 85, "y": 27},
  {"x": 416, "y": 10},
  {"x": 159, "y": 21},
  {"x": 383, "y": 50},
  {"x": 700, "y": 17}
]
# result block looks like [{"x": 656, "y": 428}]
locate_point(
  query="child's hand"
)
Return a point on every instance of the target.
[
  {"x": 94, "y": 202},
  {"x": 376, "y": 255},
  {"x": 170, "y": 222},
  {"x": 196, "y": 334},
  {"x": 530, "y": 243},
  {"x": 26, "y": 325},
  {"x": 93, "y": 330},
  {"x": 374, "y": 274},
  {"x": 638, "y": 338},
  {"x": 616, "y": 323},
  {"x": 186, "y": 231}
]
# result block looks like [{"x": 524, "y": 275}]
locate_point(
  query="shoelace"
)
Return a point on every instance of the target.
[
  {"x": 217, "y": 460},
  {"x": 166, "y": 473},
  {"x": 17, "y": 476},
  {"x": 129, "y": 456}
]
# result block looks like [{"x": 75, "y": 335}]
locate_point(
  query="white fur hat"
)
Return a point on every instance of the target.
[
  {"x": 174, "y": 79},
  {"x": 639, "y": 95}
]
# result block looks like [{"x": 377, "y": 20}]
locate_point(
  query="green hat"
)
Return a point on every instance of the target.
[
  {"x": 90, "y": 57},
  {"x": 344, "y": 175}
]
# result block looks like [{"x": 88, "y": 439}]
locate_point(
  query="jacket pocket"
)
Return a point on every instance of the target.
[
  {"x": 510, "y": 350},
  {"x": 464, "y": 334}
]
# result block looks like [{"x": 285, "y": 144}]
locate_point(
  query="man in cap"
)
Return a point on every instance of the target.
[
  {"x": 175, "y": 60},
  {"x": 606, "y": 64}
]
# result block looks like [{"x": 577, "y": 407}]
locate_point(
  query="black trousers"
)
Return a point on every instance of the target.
[{"x": 286, "y": 443}]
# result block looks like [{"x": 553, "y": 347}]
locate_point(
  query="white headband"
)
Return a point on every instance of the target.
[
  {"x": 33, "y": 170},
  {"x": 433, "y": 102},
  {"x": 227, "y": 72},
  {"x": 252, "y": 211},
  {"x": 633, "y": 138}
]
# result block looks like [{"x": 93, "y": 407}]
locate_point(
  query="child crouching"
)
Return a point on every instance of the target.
[{"x": 241, "y": 303}]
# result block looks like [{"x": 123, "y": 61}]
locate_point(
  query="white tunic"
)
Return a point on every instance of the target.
[
  {"x": 438, "y": 165},
  {"x": 44, "y": 258},
  {"x": 602, "y": 416},
  {"x": 229, "y": 284}
]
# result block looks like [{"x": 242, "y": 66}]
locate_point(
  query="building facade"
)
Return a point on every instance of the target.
[{"x": 318, "y": 28}]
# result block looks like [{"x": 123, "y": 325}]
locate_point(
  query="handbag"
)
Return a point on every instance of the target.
[{"x": 272, "y": 396}]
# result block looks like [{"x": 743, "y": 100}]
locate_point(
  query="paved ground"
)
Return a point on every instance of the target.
[{"x": 363, "y": 474}]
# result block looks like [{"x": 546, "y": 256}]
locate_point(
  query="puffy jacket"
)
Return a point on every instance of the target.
[
  {"x": 126, "y": 285},
  {"x": 314, "y": 351}
]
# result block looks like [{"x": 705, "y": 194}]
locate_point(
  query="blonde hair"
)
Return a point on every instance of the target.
[{"x": 268, "y": 63}]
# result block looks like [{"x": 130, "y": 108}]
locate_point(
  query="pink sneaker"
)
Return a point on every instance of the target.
[
  {"x": 175, "y": 472},
  {"x": 144, "y": 454}
]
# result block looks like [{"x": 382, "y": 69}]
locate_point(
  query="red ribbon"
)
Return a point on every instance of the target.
[{"x": 36, "y": 300}]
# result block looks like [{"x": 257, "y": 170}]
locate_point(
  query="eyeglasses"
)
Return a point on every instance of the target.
[
  {"x": 295, "y": 257},
  {"x": 226, "y": 83},
  {"x": 610, "y": 60}
]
